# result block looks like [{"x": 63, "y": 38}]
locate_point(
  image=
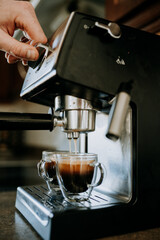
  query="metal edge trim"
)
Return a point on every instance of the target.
[{"x": 22, "y": 191}]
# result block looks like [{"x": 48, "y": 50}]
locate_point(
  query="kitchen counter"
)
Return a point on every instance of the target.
[{"x": 14, "y": 227}]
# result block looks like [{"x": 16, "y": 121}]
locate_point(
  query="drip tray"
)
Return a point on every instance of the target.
[{"x": 42, "y": 208}]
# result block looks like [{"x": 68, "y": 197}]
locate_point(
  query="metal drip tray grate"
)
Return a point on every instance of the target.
[
  {"x": 42, "y": 208},
  {"x": 54, "y": 201}
]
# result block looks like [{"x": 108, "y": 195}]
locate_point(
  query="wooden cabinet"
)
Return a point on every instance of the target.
[
  {"x": 141, "y": 14},
  {"x": 10, "y": 80},
  {"x": 117, "y": 9}
]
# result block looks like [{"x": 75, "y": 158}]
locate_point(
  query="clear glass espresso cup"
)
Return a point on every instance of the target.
[
  {"x": 47, "y": 168},
  {"x": 77, "y": 175}
]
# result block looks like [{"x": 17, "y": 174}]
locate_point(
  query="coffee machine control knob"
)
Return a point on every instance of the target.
[
  {"x": 43, "y": 50},
  {"x": 113, "y": 29}
]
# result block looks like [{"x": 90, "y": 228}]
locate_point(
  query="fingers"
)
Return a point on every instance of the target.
[
  {"x": 28, "y": 22},
  {"x": 18, "y": 49},
  {"x": 13, "y": 59}
]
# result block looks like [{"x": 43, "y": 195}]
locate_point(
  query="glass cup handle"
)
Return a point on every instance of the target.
[
  {"x": 98, "y": 165},
  {"x": 39, "y": 168},
  {"x": 42, "y": 174}
]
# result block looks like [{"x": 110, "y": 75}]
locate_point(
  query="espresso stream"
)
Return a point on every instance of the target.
[{"x": 75, "y": 145}]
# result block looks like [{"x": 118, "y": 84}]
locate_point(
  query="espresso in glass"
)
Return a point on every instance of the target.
[
  {"x": 76, "y": 175},
  {"x": 50, "y": 170}
]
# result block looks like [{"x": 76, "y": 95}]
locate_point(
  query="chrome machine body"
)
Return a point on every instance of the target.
[{"x": 86, "y": 61}]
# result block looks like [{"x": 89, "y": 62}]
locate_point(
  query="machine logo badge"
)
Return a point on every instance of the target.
[{"x": 120, "y": 61}]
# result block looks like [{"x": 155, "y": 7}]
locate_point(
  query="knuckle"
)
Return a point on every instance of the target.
[
  {"x": 27, "y": 5},
  {"x": 25, "y": 8}
]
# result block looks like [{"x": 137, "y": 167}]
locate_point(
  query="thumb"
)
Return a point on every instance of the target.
[{"x": 16, "y": 48}]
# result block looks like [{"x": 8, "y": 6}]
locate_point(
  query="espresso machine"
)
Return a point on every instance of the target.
[{"x": 101, "y": 82}]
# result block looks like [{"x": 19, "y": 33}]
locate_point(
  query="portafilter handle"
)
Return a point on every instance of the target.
[{"x": 28, "y": 121}]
